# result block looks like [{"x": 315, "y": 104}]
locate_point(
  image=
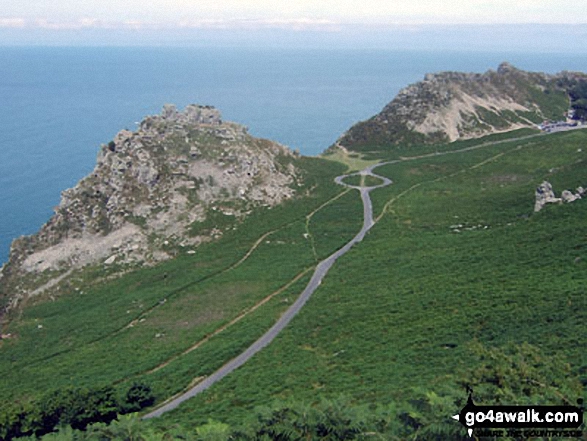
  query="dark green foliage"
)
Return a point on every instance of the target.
[
  {"x": 428, "y": 415},
  {"x": 77, "y": 408},
  {"x": 578, "y": 90},
  {"x": 14, "y": 421},
  {"x": 578, "y": 94},
  {"x": 73, "y": 407},
  {"x": 124, "y": 428},
  {"x": 520, "y": 374},
  {"x": 138, "y": 396},
  {"x": 514, "y": 374},
  {"x": 580, "y": 107},
  {"x": 329, "y": 420}
]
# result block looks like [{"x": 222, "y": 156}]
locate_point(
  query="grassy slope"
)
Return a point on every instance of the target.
[
  {"x": 397, "y": 312},
  {"x": 376, "y": 152},
  {"x": 400, "y": 310},
  {"x": 364, "y": 181},
  {"x": 178, "y": 303}
]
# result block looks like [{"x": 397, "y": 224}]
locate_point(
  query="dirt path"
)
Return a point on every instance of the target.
[{"x": 237, "y": 319}]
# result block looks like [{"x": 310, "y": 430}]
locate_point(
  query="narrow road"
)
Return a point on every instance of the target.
[{"x": 319, "y": 273}]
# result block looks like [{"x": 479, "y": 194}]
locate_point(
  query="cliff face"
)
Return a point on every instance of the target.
[
  {"x": 148, "y": 191},
  {"x": 449, "y": 106}
]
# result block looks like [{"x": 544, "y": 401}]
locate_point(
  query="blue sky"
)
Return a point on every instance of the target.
[{"x": 360, "y": 23}]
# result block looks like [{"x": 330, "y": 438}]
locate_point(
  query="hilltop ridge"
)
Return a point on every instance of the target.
[{"x": 450, "y": 106}]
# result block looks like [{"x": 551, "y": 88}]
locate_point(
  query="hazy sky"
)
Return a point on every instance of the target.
[
  {"x": 206, "y": 12},
  {"x": 49, "y": 20}
]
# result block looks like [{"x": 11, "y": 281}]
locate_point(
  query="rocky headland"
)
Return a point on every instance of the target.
[
  {"x": 149, "y": 190},
  {"x": 450, "y": 106}
]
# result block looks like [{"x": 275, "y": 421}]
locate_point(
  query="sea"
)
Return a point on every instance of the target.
[{"x": 58, "y": 105}]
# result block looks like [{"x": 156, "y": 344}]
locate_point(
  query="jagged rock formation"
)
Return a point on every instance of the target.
[
  {"x": 147, "y": 191},
  {"x": 545, "y": 195},
  {"x": 449, "y": 106}
]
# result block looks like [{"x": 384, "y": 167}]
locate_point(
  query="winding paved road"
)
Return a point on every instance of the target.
[
  {"x": 291, "y": 312},
  {"x": 318, "y": 275}
]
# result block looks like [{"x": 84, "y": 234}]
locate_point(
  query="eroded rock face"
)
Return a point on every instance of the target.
[{"x": 148, "y": 187}]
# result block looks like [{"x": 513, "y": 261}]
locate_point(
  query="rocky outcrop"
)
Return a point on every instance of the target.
[
  {"x": 450, "y": 106},
  {"x": 545, "y": 195},
  {"x": 568, "y": 196},
  {"x": 147, "y": 194}
]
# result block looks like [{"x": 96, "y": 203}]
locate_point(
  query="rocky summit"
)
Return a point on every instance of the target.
[
  {"x": 149, "y": 188},
  {"x": 450, "y": 106}
]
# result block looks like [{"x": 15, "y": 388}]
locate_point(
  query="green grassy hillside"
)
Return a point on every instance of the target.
[
  {"x": 458, "y": 257},
  {"x": 457, "y": 261}
]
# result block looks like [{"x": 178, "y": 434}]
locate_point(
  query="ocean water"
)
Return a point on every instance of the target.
[{"x": 57, "y": 105}]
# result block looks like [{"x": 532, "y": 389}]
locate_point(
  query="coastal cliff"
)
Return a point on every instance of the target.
[
  {"x": 147, "y": 195},
  {"x": 450, "y": 106}
]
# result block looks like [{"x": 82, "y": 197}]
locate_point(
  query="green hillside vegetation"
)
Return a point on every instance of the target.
[
  {"x": 375, "y": 152},
  {"x": 458, "y": 257},
  {"x": 516, "y": 373},
  {"x": 459, "y": 283},
  {"x": 353, "y": 180},
  {"x": 368, "y": 136},
  {"x": 362, "y": 181}
]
